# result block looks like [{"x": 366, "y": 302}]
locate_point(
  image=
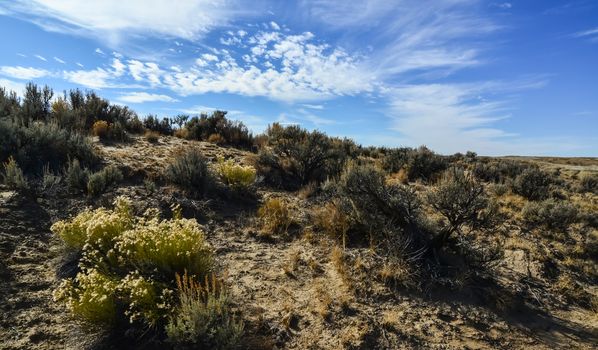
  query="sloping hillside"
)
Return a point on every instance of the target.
[{"x": 300, "y": 289}]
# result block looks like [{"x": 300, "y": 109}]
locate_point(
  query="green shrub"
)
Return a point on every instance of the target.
[
  {"x": 498, "y": 170},
  {"x": 229, "y": 132},
  {"x": 238, "y": 177},
  {"x": 103, "y": 179},
  {"x": 419, "y": 163},
  {"x": 190, "y": 171},
  {"x": 202, "y": 318},
  {"x": 296, "y": 157},
  {"x": 377, "y": 209},
  {"x": 532, "y": 184},
  {"x": 76, "y": 176},
  {"x": 461, "y": 200},
  {"x": 13, "y": 176},
  {"x": 550, "y": 213},
  {"x": 128, "y": 264},
  {"x": 39, "y": 144}
]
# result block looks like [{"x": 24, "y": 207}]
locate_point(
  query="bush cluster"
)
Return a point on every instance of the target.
[
  {"x": 498, "y": 170},
  {"x": 296, "y": 157},
  {"x": 462, "y": 201},
  {"x": 216, "y": 128},
  {"x": 376, "y": 211},
  {"x": 153, "y": 123},
  {"x": 549, "y": 213},
  {"x": 420, "y": 163},
  {"x": 533, "y": 184},
  {"x": 127, "y": 274},
  {"x": 41, "y": 144}
]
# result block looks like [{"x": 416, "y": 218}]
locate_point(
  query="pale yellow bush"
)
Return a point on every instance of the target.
[
  {"x": 91, "y": 296},
  {"x": 236, "y": 176},
  {"x": 130, "y": 261}
]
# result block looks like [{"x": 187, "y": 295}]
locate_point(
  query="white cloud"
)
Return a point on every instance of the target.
[
  {"x": 21, "y": 55},
  {"x": 307, "y": 71},
  {"x": 274, "y": 25},
  {"x": 111, "y": 21},
  {"x": 503, "y": 5},
  {"x": 209, "y": 57},
  {"x": 79, "y": 64},
  {"x": 96, "y": 79},
  {"x": 99, "y": 51},
  {"x": 141, "y": 97},
  {"x": 40, "y": 57},
  {"x": 318, "y": 107},
  {"x": 59, "y": 60},
  {"x": 148, "y": 72},
  {"x": 24, "y": 73}
]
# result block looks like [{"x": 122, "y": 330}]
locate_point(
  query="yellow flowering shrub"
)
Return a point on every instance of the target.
[
  {"x": 91, "y": 296},
  {"x": 171, "y": 246},
  {"x": 236, "y": 176},
  {"x": 130, "y": 262}
]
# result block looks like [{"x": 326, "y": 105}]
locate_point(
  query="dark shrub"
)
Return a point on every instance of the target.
[
  {"x": 41, "y": 144},
  {"x": 376, "y": 209},
  {"x": 36, "y": 104},
  {"x": 498, "y": 170},
  {"x": 9, "y": 103},
  {"x": 135, "y": 125},
  {"x": 190, "y": 171},
  {"x": 396, "y": 159},
  {"x": 552, "y": 214},
  {"x": 419, "y": 163},
  {"x": 533, "y": 184},
  {"x": 425, "y": 164},
  {"x": 99, "y": 182},
  {"x": 153, "y": 123},
  {"x": 76, "y": 176},
  {"x": 461, "y": 200},
  {"x": 296, "y": 157},
  {"x": 589, "y": 183},
  {"x": 233, "y": 133}
]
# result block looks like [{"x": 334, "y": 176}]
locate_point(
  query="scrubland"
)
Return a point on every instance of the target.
[{"x": 123, "y": 232}]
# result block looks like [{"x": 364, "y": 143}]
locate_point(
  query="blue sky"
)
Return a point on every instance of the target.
[{"x": 517, "y": 77}]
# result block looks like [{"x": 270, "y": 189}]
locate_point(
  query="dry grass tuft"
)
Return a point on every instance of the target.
[{"x": 275, "y": 217}]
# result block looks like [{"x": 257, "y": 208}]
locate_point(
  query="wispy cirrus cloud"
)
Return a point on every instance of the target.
[
  {"x": 590, "y": 34},
  {"x": 115, "y": 21}
]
